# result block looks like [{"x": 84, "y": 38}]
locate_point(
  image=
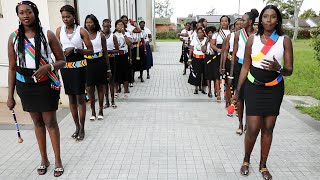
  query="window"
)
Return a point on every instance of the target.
[{"x": 1, "y": 15}]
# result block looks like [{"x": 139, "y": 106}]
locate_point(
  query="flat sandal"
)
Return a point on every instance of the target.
[{"x": 244, "y": 170}]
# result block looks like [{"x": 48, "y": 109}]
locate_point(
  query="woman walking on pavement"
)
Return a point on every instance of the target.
[
  {"x": 268, "y": 57},
  {"x": 33, "y": 73},
  {"x": 225, "y": 66},
  {"x": 112, "y": 49},
  {"x": 96, "y": 65},
  {"x": 209, "y": 58},
  {"x": 122, "y": 61},
  {"x": 218, "y": 38},
  {"x": 196, "y": 77},
  {"x": 240, "y": 41},
  {"x": 147, "y": 39},
  {"x": 72, "y": 37}
]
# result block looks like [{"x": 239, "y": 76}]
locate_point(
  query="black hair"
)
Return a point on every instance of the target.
[
  {"x": 253, "y": 14},
  {"x": 106, "y": 20},
  {"x": 211, "y": 28},
  {"x": 71, "y": 10},
  {"x": 39, "y": 37},
  {"x": 278, "y": 27},
  {"x": 187, "y": 23},
  {"x": 124, "y": 16},
  {"x": 119, "y": 21},
  {"x": 193, "y": 24},
  {"x": 235, "y": 21},
  {"x": 231, "y": 25},
  {"x": 202, "y": 20},
  {"x": 226, "y": 17},
  {"x": 142, "y": 22},
  {"x": 97, "y": 26}
]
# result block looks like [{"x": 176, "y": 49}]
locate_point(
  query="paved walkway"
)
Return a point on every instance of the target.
[{"x": 164, "y": 131}]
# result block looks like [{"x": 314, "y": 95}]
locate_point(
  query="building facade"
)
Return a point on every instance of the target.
[{"x": 50, "y": 17}]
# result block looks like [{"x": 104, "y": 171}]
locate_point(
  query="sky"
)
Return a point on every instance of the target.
[{"x": 181, "y": 8}]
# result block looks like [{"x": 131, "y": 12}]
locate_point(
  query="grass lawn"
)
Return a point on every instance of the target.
[
  {"x": 168, "y": 40},
  {"x": 305, "y": 79}
]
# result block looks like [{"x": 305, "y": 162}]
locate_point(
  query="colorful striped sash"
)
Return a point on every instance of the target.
[
  {"x": 271, "y": 83},
  {"x": 222, "y": 34},
  {"x": 244, "y": 35},
  {"x": 30, "y": 49},
  {"x": 94, "y": 56},
  {"x": 266, "y": 48},
  {"x": 137, "y": 44},
  {"x": 76, "y": 64}
]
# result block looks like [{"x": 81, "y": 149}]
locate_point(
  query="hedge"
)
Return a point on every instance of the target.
[
  {"x": 167, "y": 35},
  {"x": 302, "y": 33},
  {"x": 315, "y": 32}
]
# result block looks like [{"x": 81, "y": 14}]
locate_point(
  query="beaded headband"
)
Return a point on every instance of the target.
[{"x": 27, "y": 3}]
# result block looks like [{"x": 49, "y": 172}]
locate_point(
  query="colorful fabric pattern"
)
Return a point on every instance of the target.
[
  {"x": 244, "y": 35},
  {"x": 94, "y": 56},
  {"x": 266, "y": 48},
  {"x": 271, "y": 83},
  {"x": 76, "y": 64}
]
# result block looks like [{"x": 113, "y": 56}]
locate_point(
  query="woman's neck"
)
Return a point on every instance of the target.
[
  {"x": 250, "y": 30},
  {"x": 92, "y": 31},
  {"x": 29, "y": 28},
  {"x": 71, "y": 26},
  {"x": 267, "y": 33},
  {"x": 107, "y": 32}
]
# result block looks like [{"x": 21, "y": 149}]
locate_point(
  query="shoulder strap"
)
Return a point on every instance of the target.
[{"x": 244, "y": 35}]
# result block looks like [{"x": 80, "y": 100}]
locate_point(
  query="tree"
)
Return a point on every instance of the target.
[
  {"x": 211, "y": 12},
  {"x": 297, "y": 7},
  {"x": 308, "y": 13},
  {"x": 163, "y": 9},
  {"x": 286, "y": 7}
]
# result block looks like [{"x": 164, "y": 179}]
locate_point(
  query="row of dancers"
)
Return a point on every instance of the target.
[
  {"x": 88, "y": 58},
  {"x": 252, "y": 61}
]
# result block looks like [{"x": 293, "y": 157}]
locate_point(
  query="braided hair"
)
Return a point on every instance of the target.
[{"x": 39, "y": 37}]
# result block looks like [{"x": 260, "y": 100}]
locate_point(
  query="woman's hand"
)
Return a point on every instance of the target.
[
  {"x": 42, "y": 71},
  {"x": 271, "y": 65},
  {"x": 122, "y": 31},
  {"x": 68, "y": 51},
  {"x": 11, "y": 103}
]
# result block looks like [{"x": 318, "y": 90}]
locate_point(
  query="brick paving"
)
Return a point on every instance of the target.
[{"x": 164, "y": 131}]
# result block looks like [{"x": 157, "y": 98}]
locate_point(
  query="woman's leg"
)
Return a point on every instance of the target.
[
  {"x": 240, "y": 109},
  {"x": 74, "y": 111},
  {"x": 125, "y": 85},
  {"x": 100, "y": 97},
  {"x": 148, "y": 75},
  {"x": 254, "y": 126},
  {"x": 112, "y": 84},
  {"x": 106, "y": 92},
  {"x": 91, "y": 91},
  {"x": 209, "y": 89},
  {"x": 217, "y": 88},
  {"x": 228, "y": 95},
  {"x": 266, "y": 138},
  {"x": 40, "y": 132},
  {"x": 50, "y": 120},
  {"x": 82, "y": 115}
]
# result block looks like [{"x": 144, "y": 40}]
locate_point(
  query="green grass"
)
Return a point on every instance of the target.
[
  {"x": 168, "y": 40},
  {"x": 305, "y": 80},
  {"x": 312, "y": 111}
]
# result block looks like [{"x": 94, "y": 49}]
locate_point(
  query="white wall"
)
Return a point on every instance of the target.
[
  {"x": 54, "y": 12},
  {"x": 10, "y": 22},
  {"x": 99, "y": 8}
]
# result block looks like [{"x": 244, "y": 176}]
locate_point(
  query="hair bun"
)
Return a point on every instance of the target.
[{"x": 255, "y": 12}]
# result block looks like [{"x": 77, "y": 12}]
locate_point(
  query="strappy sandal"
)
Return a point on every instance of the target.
[
  {"x": 239, "y": 132},
  {"x": 219, "y": 99},
  {"x": 114, "y": 106},
  {"x": 125, "y": 96},
  {"x": 92, "y": 118},
  {"x": 106, "y": 105},
  {"x": 244, "y": 171},
  {"x": 195, "y": 92},
  {"x": 265, "y": 174},
  {"x": 115, "y": 95},
  {"x": 58, "y": 171},
  {"x": 42, "y": 170},
  {"x": 74, "y": 135},
  {"x": 210, "y": 95}
]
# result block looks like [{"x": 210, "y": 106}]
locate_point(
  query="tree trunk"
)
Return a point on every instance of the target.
[{"x": 297, "y": 6}]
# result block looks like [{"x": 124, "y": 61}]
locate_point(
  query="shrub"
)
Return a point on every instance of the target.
[
  {"x": 315, "y": 32},
  {"x": 167, "y": 35},
  {"x": 302, "y": 33}
]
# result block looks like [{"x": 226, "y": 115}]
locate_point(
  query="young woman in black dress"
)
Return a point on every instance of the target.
[
  {"x": 96, "y": 65},
  {"x": 72, "y": 37},
  {"x": 268, "y": 57},
  {"x": 30, "y": 68}
]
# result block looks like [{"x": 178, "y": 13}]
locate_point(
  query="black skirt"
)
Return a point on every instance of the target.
[
  {"x": 38, "y": 97},
  {"x": 96, "y": 72},
  {"x": 138, "y": 65},
  {"x": 196, "y": 76},
  {"x": 122, "y": 68},
  {"x": 112, "y": 61},
  {"x": 236, "y": 75},
  {"x": 209, "y": 67},
  {"x": 263, "y": 100},
  {"x": 74, "y": 80}
]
